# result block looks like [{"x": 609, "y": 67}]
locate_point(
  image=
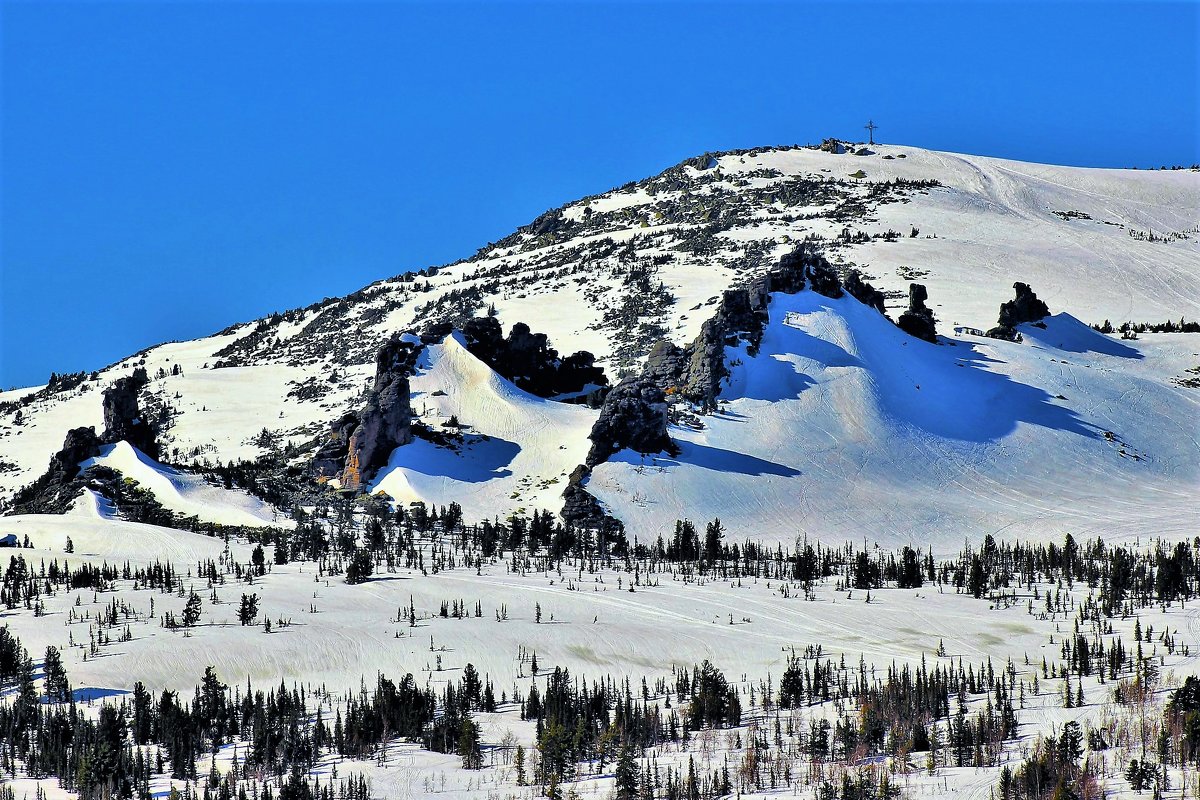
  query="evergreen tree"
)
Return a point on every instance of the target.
[{"x": 58, "y": 689}]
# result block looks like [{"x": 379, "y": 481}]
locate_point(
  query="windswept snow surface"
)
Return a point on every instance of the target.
[
  {"x": 842, "y": 426},
  {"x": 189, "y": 495}
]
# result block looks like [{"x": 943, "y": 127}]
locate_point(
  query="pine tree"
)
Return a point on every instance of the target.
[
  {"x": 468, "y": 745},
  {"x": 191, "y": 611},
  {"x": 58, "y": 689},
  {"x": 519, "y": 765},
  {"x": 626, "y": 775},
  {"x": 248, "y": 610}
]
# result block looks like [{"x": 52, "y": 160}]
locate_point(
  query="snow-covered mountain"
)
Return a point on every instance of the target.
[
  {"x": 838, "y": 425},
  {"x": 908, "y": 521}
]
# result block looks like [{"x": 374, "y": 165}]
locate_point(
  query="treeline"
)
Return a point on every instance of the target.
[{"x": 284, "y": 732}]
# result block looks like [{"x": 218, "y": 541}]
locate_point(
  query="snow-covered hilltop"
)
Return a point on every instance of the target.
[
  {"x": 838, "y": 425},
  {"x": 818, "y": 445}
]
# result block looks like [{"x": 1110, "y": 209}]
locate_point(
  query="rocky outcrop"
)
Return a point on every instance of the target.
[
  {"x": 702, "y": 162},
  {"x": 79, "y": 445},
  {"x": 695, "y": 373},
  {"x": 123, "y": 420},
  {"x": 918, "y": 320},
  {"x": 330, "y": 458},
  {"x": 550, "y": 222},
  {"x": 385, "y": 422},
  {"x": 58, "y": 486},
  {"x": 864, "y": 292},
  {"x": 527, "y": 359},
  {"x": 1024, "y": 308},
  {"x": 358, "y": 444},
  {"x": 580, "y": 507},
  {"x": 634, "y": 417},
  {"x": 665, "y": 363},
  {"x": 435, "y": 332}
]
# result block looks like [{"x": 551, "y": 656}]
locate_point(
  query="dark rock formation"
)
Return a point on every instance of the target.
[
  {"x": 702, "y": 162},
  {"x": 58, "y": 486},
  {"x": 123, "y": 419},
  {"x": 705, "y": 367},
  {"x": 580, "y": 507},
  {"x": 435, "y": 332},
  {"x": 549, "y": 222},
  {"x": 330, "y": 458},
  {"x": 79, "y": 445},
  {"x": 665, "y": 364},
  {"x": 527, "y": 359},
  {"x": 918, "y": 319},
  {"x": 385, "y": 423},
  {"x": 1024, "y": 308},
  {"x": 695, "y": 372},
  {"x": 864, "y": 292},
  {"x": 359, "y": 443},
  {"x": 634, "y": 416}
]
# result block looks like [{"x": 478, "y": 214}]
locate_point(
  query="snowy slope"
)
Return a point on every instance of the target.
[
  {"x": 518, "y": 448},
  {"x": 826, "y": 430},
  {"x": 844, "y": 427},
  {"x": 185, "y": 494}
]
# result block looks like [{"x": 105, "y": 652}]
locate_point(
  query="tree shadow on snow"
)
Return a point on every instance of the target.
[{"x": 90, "y": 693}]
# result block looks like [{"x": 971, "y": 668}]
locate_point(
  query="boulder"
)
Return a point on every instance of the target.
[
  {"x": 918, "y": 319},
  {"x": 634, "y": 416}
]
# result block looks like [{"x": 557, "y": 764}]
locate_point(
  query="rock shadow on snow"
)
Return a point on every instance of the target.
[
  {"x": 1064, "y": 332},
  {"x": 481, "y": 460},
  {"x": 946, "y": 391},
  {"x": 711, "y": 458}
]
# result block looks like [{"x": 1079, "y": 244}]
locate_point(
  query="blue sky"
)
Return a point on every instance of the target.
[{"x": 171, "y": 168}]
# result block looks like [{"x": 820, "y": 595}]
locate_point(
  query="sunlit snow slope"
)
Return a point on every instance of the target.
[{"x": 841, "y": 425}]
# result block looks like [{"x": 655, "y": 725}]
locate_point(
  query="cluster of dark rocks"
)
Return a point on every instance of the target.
[
  {"x": 124, "y": 420},
  {"x": 527, "y": 359},
  {"x": 634, "y": 415},
  {"x": 1022, "y": 309},
  {"x": 694, "y": 373}
]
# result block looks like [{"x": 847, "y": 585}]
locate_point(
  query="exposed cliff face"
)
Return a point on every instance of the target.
[
  {"x": 359, "y": 444},
  {"x": 634, "y": 416},
  {"x": 123, "y": 420},
  {"x": 918, "y": 319},
  {"x": 1024, "y": 308}
]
